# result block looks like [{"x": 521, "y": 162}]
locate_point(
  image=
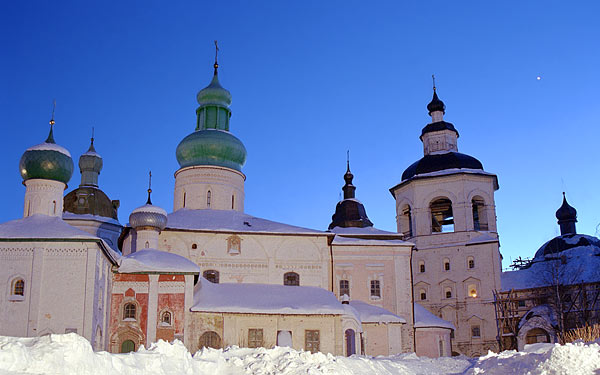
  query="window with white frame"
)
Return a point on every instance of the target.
[
  {"x": 375, "y": 289},
  {"x": 470, "y": 262},
  {"x": 344, "y": 288},
  {"x": 129, "y": 311}
]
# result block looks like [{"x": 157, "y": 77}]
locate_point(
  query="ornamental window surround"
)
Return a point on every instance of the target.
[
  {"x": 375, "y": 289},
  {"x": 17, "y": 290},
  {"x": 166, "y": 318},
  {"x": 129, "y": 311},
  {"x": 344, "y": 288},
  {"x": 234, "y": 245}
]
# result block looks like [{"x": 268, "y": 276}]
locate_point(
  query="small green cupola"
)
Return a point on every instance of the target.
[
  {"x": 212, "y": 143},
  {"x": 47, "y": 161}
]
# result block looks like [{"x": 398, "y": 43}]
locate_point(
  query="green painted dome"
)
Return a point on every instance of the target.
[
  {"x": 211, "y": 147},
  {"x": 214, "y": 93},
  {"x": 47, "y": 161}
]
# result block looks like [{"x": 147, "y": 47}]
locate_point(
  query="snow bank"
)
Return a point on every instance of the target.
[
  {"x": 152, "y": 260},
  {"x": 72, "y": 354}
]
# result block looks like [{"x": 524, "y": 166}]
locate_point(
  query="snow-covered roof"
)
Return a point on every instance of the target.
[
  {"x": 265, "y": 299},
  {"x": 42, "y": 227},
  {"x": 375, "y": 314},
  {"x": 230, "y": 221},
  {"x": 104, "y": 219},
  {"x": 152, "y": 260},
  {"x": 150, "y": 208},
  {"x": 338, "y": 240},
  {"x": 572, "y": 266},
  {"x": 50, "y": 147},
  {"x": 367, "y": 231},
  {"x": 425, "y": 319},
  {"x": 543, "y": 311}
]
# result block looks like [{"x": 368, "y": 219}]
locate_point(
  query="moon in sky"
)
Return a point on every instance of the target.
[{"x": 538, "y": 78}]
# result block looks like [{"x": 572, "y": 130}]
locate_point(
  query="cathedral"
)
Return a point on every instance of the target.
[{"x": 211, "y": 275}]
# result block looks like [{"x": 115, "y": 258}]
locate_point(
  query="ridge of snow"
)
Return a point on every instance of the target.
[
  {"x": 425, "y": 319},
  {"x": 339, "y": 240},
  {"x": 150, "y": 208},
  {"x": 152, "y": 260},
  {"x": 229, "y": 221},
  {"x": 375, "y": 314},
  {"x": 73, "y": 354},
  {"x": 50, "y": 147},
  {"x": 363, "y": 231},
  {"x": 483, "y": 238}
]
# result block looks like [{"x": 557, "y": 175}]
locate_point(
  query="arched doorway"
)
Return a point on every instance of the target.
[
  {"x": 127, "y": 346},
  {"x": 350, "y": 342},
  {"x": 537, "y": 335},
  {"x": 210, "y": 339}
]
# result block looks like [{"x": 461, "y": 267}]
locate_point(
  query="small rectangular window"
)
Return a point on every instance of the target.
[
  {"x": 312, "y": 341},
  {"x": 521, "y": 303},
  {"x": 471, "y": 263},
  {"x": 375, "y": 288},
  {"x": 475, "y": 331},
  {"x": 448, "y": 294},
  {"x": 446, "y": 266},
  {"x": 344, "y": 288},
  {"x": 423, "y": 296},
  {"x": 422, "y": 267},
  {"x": 255, "y": 337}
]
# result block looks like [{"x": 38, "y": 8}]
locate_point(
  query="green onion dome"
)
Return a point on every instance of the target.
[
  {"x": 47, "y": 161},
  {"x": 212, "y": 143},
  {"x": 211, "y": 147}
]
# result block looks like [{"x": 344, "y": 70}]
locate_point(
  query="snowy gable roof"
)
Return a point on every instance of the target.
[
  {"x": 375, "y": 314},
  {"x": 104, "y": 219},
  {"x": 425, "y": 319},
  {"x": 42, "y": 227},
  {"x": 151, "y": 260},
  {"x": 573, "y": 266},
  {"x": 264, "y": 299},
  {"x": 338, "y": 240},
  {"x": 366, "y": 231},
  {"x": 230, "y": 221}
]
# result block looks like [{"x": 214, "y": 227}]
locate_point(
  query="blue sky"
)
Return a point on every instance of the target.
[{"x": 310, "y": 80}]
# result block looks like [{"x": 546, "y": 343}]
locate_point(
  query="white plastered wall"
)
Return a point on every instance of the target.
[
  {"x": 193, "y": 184},
  {"x": 43, "y": 197}
]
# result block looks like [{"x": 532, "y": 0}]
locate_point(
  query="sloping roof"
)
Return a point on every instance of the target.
[
  {"x": 363, "y": 231},
  {"x": 425, "y": 319},
  {"x": 230, "y": 221},
  {"x": 152, "y": 260},
  {"x": 42, "y": 227},
  {"x": 72, "y": 216},
  {"x": 264, "y": 299},
  {"x": 338, "y": 240},
  {"x": 375, "y": 314}
]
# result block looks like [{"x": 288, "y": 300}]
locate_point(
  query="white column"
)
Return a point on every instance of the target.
[
  {"x": 37, "y": 273},
  {"x": 152, "y": 309}
]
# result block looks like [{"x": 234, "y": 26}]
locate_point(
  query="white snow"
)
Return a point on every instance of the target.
[
  {"x": 72, "y": 354},
  {"x": 375, "y": 314},
  {"x": 103, "y": 219},
  {"x": 152, "y": 260},
  {"x": 425, "y": 319},
  {"x": 265, "y": 299},
  {"x": 150, "y": 208},
  {"x": 229, "y": 221},
  {"x": 484, "y": 238},
  {"x": 50, "y": 147},
  {"x": 453, "y": 171},
  {"x": 339, "y": 240},
  {"x": 364, "y": 231},
  {"x": 42, "y": 227}
]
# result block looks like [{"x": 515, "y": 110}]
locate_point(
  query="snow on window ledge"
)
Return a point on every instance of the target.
[
  {"x": 129, "y": 320},
  {"x": 16, "y": 298}
]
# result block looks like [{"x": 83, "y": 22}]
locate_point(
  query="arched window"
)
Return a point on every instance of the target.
[
  {"x": 421, "y": 266},
  {"x": 165, "y": 318},
  {"x": 208, "y": 198},
  {"x": 232, "y": 202},
  {"x": 422, "y": 294},
  {"x": 183, "y": 200},
  {"x": 147, "y": 244},
  {"x": 442, "y": 218},
  {"x": 211, "y": 275},
  {"x": 479, "y": 215},
  {"x": 406, "y": 222},
  {"x": 210, "y": 339},
  {"x": 127, "y": 346},
  {"x": 472, "y": 289},
  {"x": 537, "y": 335},
  {"x": 18, "y": 287},
  {"x": 448, "y": 292},
  {"x": 446, "y": 264},
  {"x": 54, "y": 207},
  {"x": 291, "y": 278},
  {"x": 129, "y": 311},
  {"x": 470, "y": 262}
]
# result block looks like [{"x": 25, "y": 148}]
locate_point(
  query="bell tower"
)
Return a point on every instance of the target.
[{"x": 445, "y": 205}]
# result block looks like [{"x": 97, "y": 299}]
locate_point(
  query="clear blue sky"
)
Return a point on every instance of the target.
[{"x": 310, "y": 80}]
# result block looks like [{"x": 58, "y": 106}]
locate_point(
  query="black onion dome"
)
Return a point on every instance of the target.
[
  {"x": 91, "y": 201},
  {"x": 350, "y": 213},
  {"x": 436, "y": 104},
  {"x": 440, "y": 162},
  {"x": 438, "y": 126},
  {"x": 566, "y": 211},
  {"x": 565, "y": 242}
]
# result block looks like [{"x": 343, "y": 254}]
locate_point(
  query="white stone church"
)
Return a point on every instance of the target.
[{"x": 211, "y": 275}]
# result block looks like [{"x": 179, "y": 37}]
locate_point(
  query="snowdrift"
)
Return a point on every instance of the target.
[{"x": 72, "y": 354}]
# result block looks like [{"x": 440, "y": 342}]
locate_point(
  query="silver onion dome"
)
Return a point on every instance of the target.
[{"x": 148, "y": 216}]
